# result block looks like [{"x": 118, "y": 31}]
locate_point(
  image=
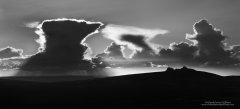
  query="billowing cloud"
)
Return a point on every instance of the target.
[
  {"x": 209, "y": 41},
  {"x": 123, "y": 35},
  {"x": 113, "y": 54},
  {"x": 62, "y": 44},
  {"x": 10, "y": 52},
  {"x": 208, "y": 48},
  {"x": 178, "y": 54},
  {"x": 115, "y": 51},
  {"x": 181, "y": 50}
]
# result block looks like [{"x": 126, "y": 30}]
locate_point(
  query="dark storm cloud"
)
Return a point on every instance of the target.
[
  {"x": 211, "y": 48},
  {"x": 62, "y": 44},
  {"x": 10, "y": 52}
]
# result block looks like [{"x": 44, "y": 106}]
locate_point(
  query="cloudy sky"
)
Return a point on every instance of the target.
[
  {"x": 161, "y": 32},
  {"x": 177, "y": 16}
]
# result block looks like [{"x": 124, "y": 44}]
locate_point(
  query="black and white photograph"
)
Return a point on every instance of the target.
[{"x": 150, "y": 54}]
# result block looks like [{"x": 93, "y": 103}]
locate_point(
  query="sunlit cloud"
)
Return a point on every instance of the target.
[
  {"x": 10, "y": 52},
  {"x": 42, "y": 38},
  {"x": 32, "y": 24},
  {"x": 115, "y": 32}
]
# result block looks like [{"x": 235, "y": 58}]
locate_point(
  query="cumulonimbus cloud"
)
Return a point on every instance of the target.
[
  {"x": 62, "y": 44},
  {"x": 42, "y": 38}
]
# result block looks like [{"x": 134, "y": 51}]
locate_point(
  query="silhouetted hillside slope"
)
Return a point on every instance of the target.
[{"x": 174, "y": 87}]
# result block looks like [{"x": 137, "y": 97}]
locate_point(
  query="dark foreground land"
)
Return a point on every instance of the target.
[{"x": 172, "y": 88}]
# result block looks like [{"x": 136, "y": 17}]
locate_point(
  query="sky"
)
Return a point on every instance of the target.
[
  {"x": 177, "y": 16},
  {"x": 134, "y": 29}
]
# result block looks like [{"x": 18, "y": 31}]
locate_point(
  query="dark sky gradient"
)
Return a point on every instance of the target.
[{"x": 177, "y": 16}]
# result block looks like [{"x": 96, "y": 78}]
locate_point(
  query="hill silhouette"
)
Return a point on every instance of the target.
[{"x": 175, "y": 87}]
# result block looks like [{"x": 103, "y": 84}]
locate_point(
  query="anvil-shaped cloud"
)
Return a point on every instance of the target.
[{"x": 61, "y": 44}]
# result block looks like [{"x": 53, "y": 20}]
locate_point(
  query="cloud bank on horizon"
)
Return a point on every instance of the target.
[{"x": 62, "y": 47}]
